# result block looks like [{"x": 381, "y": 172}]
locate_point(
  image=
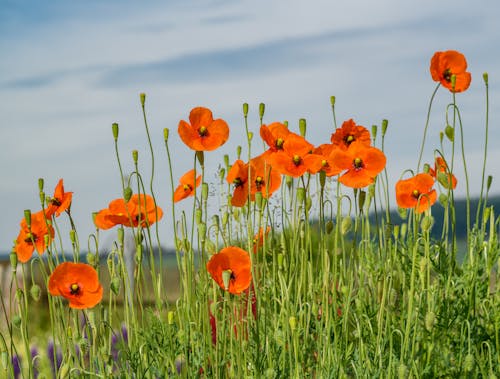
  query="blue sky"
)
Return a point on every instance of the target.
[{"x": 71, "y": 69}]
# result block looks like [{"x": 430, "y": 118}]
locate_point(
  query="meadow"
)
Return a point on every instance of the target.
[{"x": 307, "y": 267}]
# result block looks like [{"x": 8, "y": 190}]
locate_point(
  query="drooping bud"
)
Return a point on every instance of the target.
[
  {"x": 301, "y": 195},
  {"x": 329, "y": 226},
  {"x": 127, "y": 194},
  {"x": 35, "y": 292},
  {"x": 469, "y": 362},
  {"x": 114, "y": 129},
  {"x": 346, "y": 225},
  {"x": 426, "y": 223},
  {"x": 302, "y": 127},
  {"x": 115, "y": 285},
  {"x": 450, "y": 132}
]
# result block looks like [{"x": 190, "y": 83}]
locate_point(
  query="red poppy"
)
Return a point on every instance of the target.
[
  {"x": 363, "y": 163},
  {"x": 275, "y": 135},
  {"x": 416, "y": 192},
  {"x": 445, "y": 64},
  {"x": 139, "y": 210},
  {"x": 231, "y": 269},
  {"x": 258, "y": 239},
  {"x": 442, "y": 174},
  {"x": 60, "y": 202},
  {"x": 31, "y": 239},
  {"x": 296, "y": 157},
  {"x": 186, "y": 186},
  {"x": 327, "y": 164},
  {"x": 348, "y": 133},
  {"x": 203, "y": 133},
  {"x": 238, "y": 176},
  {"x": 264, "y": 179},
  {"x": 77, "y": 282}
]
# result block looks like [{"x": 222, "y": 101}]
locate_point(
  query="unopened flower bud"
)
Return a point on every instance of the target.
[
  {"x": 469, "y": 362},
  {"x": 430, "y": 320},
  {"x": 346, "y": 225},
  {"x": 488, "y": 182},
  {"x": 204, "y": 191},
  {"x": 114, "y": 128},
  {"x": 301, "y": 195},
  {"x": 450, "y": 132},
  {"x": 35, "y": 292},
  {"x": 17, "y": 321},
  {"x": 250, "y": 136},
  {"x": 40, "y": 184},
  {"x": 385, "y": 124},
  {"x": 426, "y": 223},
  {"x": 292, "y": 321},
  {"x": 127, "y": 194},
  {"x": 329, "y": 226},
  {"x": 238, "y": 151},
  {"x": 485, "y": 78},
  {"x": 170, "y": 317},
  {"x": 374, "y": 131},
  {"x": 280, "y": 261},
  {"x": 13, "y": 260},
  {"x": 302, "y": 127},
  {"x": 27, "y": 217},
  {"x": 135, "y": 156},
  {"x": 427, "y": 168},
  {"x": 361, "y": 199},
  {"x": 245, "y": 109},
  {"x": 166, "y": 132},
  {"x": 332, "y": 100},
  {"x": 262, "y": 109},
  {"x": 402, "y": 371},
  {"x": 115, "y": 285},
  {"x": 142, "y": 96},
  {"x": 201, "y": 157}
]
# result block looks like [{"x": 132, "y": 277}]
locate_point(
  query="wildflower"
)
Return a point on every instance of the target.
[
  {"x": 442, "y": 174},
  {"x": 139, "y": 210},
  {"x": 327, "y": 165},
  {"x": 77, "y": 282},
  {"x": 238, "y": 176},
  {"x": 416, "y": 192},
  {"x": 264, "y": 179},
  {"x": 203, "y": 133},
  {"x": 258, "y": 239},
  {"x": 363, "y": 163},
  {"x": 348, "y": 133},
  {"x": 296, "y": 157},
  {"x": 231, "y": 269},
  {"x": 445, "y": 64},
  {"x": 275, "y": 135},
  {"x": 60, "y": 202},
  {"x": 33, "y": 237},
  {"x": 187, "y": 185}
]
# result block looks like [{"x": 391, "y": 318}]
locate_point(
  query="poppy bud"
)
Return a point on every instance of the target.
[
  {"x": 262, "y": 109},
  {"x": 402, "y": 371},
  {"x": 361, "y": 199},
  {"x": 115, "y": 285},
  {"x": 166, "y": 132},
  {"x": 202, "y": 229},
  {"x": 170, "y": 317},
  {"x": 226, "y": 161},
  {"x": 135, "y": 156},
  {"x": 27, "y": 217},
  {"x": 142, "y": 96},
  {"x": 138, "y": 254},
  {"x": 204, "y": 191},
  {"x": 127, "y": 193},
  {"x": 385, "y": 124},
  {"x": 35, "y": 292},
  {"x": 301, "y": 195},
  {"x": 201, "y": 157},
  {"x": 114, "y": 129},
  {"x": 46, "y": 240},
  {"x": 13, "y": 260},
  {"x": 72, "y": 236},
  {"x": 441, "y": 137},
  {"x": 64, "y": 370},
  {"x": 322, "y": 178},
  {"x": 197, "y": 215},
  {"x": 245, "y": 110},
  {"x": 329, "y": 226},
  {"x": 292, "y": 321},
  {"x": 443, "y": 200},
  {"x": 426, "y": 223},
  {"x": 403, "y": 212},
  {"x": 222, "y": 173},
  {"x": 280, "y": 261},
  {"x": 238, "y": 151},
  {"x": 91, "y": 259},
  {"x": 17, "y": 321},
  {"x": 332, "y": 100},
  {"x": 42, "y": 197},
  {"x": 469, "y": 362},
  {"x": 450, "y": 132},
  {"x": 302, "y": 127},
  {"x": 374, "y": 132},
  {"x": 285, "y": 123},
  {"x": 395, "y": 231},
  {"x": 427, "y": 168},
  {"x": 485, "y": 78},
  {"x": 346, "y": 225},
  {"x": 488, "y": 182},
  {"x": 40, "y": 184},
  {"x": 250, "y": 136},
  {"x": 404, "y": 229}
]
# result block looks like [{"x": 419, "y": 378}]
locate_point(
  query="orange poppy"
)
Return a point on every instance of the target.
[
  {"x": 258, "y": 239},
  {"x": 203, "y": 133},
  {"x": 348, "y": 133},
  {"x": 442, "y": 174},
  {"x": 238, "y": 176},
  {"x": 363, "y": 163},
  {"x": 231, "y": 269},
  {"x": 416, "y": 192},
  {"x": 275, "y": 135},
  {"x": 296, "y": 157},
  {"x": 60, "y": 202},
  {"x": 31, "y": 239},
  {"x": 445, "y": 64},
  {"x": 139, "y": 210},
  {"x": 327, "y": 165},
  {"x": 77, "y": 282},
  {"x": 264, "y": 179},
  {"x": 186, "y": 186}
]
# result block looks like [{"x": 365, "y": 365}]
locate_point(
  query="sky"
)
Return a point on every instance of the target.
[{"x": 71, "y": 69}]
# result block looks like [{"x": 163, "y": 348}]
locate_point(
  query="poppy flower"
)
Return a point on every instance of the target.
[
  {"x": 445, "y": 64},
  {"x": 60, "y": 202},
  {"x": 296, "y": 157},
  {"x": 275, "y": 135},
  {"x": 363, "y": 163},
  {"x": 348, "y": 133},
  {"x": 258, "y": 239},
  {"x": 31, "y": 239},
  {"x": 77, "y": 282},
  {"x": 442, "y": 174},
  {"x": 416, "y": 192},
  {"x": 238, "y": 176},
  {"x": 203, "y": 133},
  {"x": 186, "y": 186},
  {"x": 231, "y": 269},
  {"x": 264, "y": 179},
  {"x": 139, "y": 210},
  {"x": 327, "y": 165}
]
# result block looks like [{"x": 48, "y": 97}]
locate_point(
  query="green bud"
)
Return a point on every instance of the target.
[
  {"x": 142, "y": 96},
  {"x": 250, "y": 136},
  {"x": 285, "y": 123},
  {"x": 114, "y": 128},
  {"x": 204, "y": 191},
  {"x": 202, "y": 229},
  {"x": 115, "y": 285},
  {"x": 64, "y": 370},
  {"x": 135, "y": 156},
  {"x": 346, "y": 225},
  {"x": 329, "y": 226},
  {"x": 197, "y": 215},
  {"x": 374, "y": 131},
  {"x": 17, "y": 321},
  {"x": 402, "y": 371},
  {"x": 361, "y": 199},
  {"x": 166, "y": 132},
  {"x": 127, "y": 194},
  {"x": 84, "y": 344},
  {"x": 395, "y": 231},
  {"x": 302, "y": 127},
  {"x": 292, "y": 321},
  {"x": 35, "y": 292},
  {"x": 262, "y": 109},
  {"x": 485, "y": 78},
  {"x": 170, "y": 317},
  {"x": 222, "y": 173},
  {"x": 238, "y": 151},
  {"x": 443, "y": 200},
  {"x": 138, "y": 254},
  {"x": 226, "y": 161},
  {"x": 488, "y": 182},
  {"x": 281, "y": 259},
  {"x": 426, "y": 223},
  {"x": 245, "y": 110},
  {"x": 404, "y": 229},
  {"x": 427, "y": 168},
  {"x": 332, "y": 100},
  {"x": 40, "y": 184},
  {"x": 42, "y": 197},
  {"x": 201, "y": 157},
  {"x": 441, "y": 137},
  {"x": 301, "y": 195},
  {"x": 13, "y": 260},
  {"x": 91, "y": 259},
  {"x": 450, "y": 132},
  {"x": 469, "y": 362},
  {"x": 403, "y": 213},
  {"x": 27, "y": 217},
  {"x": 72, "y": 236},
  {"x": 322, "y": 178},
  {"x": 385, "y": 124}
]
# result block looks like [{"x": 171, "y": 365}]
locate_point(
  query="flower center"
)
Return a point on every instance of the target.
[
  {"x": 238, "y": 182},
  {"x": 74, "y": 289},
  {"x": 324, "y": 163},
  {"x": 203, "y": 131},
  {"x": 415, "y": 194},
  {"x": 30, "y": 238},
  {"x": 296, "y": 160},
  {"x": 259, "y": 181},
  {"x": 447, "y": 75},
  {"x": 55, "y": 202},
  {"x": 358, "y": 163},
  {"x": 279, "y": 143},
  {"x": 187, "y": 187}
]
